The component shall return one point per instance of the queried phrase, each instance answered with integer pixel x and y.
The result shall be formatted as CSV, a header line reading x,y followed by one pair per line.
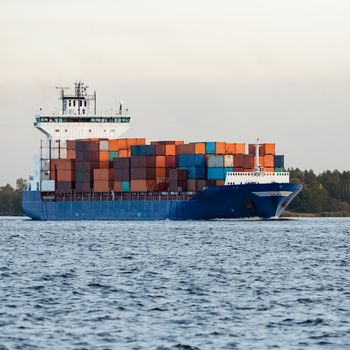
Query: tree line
x,y
328,192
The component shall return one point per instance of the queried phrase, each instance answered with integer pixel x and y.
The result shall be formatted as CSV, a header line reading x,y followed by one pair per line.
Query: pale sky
x,y
196,70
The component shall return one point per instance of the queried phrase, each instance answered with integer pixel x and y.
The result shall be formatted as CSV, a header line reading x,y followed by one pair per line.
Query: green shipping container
x,y
125,186
279,170
113,154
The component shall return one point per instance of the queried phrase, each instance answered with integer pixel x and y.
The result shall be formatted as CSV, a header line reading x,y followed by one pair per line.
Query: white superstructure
x,y
77,119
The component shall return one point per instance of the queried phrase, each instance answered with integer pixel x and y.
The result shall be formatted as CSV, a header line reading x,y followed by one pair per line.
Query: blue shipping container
x,y
190,160
218,173
210,147
196,172
125,186
143,150
279,161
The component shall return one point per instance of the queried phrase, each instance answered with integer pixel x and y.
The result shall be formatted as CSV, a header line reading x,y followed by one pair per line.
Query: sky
x,y
224,70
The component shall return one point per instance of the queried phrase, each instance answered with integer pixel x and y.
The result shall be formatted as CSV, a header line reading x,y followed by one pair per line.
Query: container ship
x,y
86,171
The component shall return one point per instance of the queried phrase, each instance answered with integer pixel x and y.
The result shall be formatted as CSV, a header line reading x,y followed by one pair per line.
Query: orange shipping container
x,y
160,161
103,185
143,185
62,164
64,176
267,161
269,170
104,164
104,155
170,150
235,148
117,186
220,148
160,172
103,174
269,148
123,153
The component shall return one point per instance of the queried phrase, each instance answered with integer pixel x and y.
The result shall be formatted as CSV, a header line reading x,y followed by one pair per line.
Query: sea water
x,y
175,285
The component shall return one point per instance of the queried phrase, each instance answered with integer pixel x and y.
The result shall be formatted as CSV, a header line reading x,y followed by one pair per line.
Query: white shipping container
x,y
47,185
228,161
104,145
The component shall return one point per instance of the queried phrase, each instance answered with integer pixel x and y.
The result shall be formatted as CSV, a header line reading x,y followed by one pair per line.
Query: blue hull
x,y
218,202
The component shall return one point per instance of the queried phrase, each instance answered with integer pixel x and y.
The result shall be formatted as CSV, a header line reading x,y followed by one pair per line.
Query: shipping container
x,y
267,161
71,154
210,147
160,161
104,145
83,187
218,173
220,148
71,145
235,148
121,163
112,155
145,150
143,185
192,148
65,176
190,160
215,161
143,173
65,187
228,161
103,185
178,174
170,161
121,174
103,174
196,172
143,161
125,186
279,161
279,170
170,150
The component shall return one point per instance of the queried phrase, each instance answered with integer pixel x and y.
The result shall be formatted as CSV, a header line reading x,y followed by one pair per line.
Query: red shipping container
x,y
71,145
170,161
192,148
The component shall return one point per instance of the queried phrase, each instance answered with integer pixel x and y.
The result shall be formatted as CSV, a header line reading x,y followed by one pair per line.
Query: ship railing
x,y
117,196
